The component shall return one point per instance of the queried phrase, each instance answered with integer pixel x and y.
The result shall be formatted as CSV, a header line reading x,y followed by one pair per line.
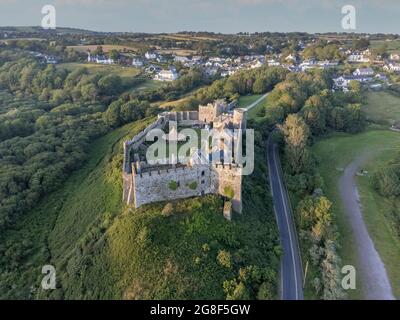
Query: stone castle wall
x,y
154,185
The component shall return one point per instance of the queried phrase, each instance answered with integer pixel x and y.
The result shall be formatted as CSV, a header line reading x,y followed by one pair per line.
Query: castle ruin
x,y
146,183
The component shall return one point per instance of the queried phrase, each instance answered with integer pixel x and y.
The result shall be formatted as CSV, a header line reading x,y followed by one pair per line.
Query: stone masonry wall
x,y
155,186
231,177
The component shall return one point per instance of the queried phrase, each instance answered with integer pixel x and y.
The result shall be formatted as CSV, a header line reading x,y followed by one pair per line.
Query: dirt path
x,y
374,279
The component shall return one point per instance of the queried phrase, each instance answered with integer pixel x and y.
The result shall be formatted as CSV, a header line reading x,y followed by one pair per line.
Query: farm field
x,y
382,107
121,71
393,46
334,154
106,47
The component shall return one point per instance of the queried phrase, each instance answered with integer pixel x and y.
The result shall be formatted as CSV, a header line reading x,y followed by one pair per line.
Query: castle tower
x,y
239,118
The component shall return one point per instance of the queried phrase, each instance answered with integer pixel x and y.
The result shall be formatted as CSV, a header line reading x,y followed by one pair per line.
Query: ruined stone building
x,y
146,183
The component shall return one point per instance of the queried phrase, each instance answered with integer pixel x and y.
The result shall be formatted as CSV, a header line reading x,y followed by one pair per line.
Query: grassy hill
x,y
382,107
336,152
103,249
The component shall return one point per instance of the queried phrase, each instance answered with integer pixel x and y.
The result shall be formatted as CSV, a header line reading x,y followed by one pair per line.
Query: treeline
x,y
49,118
322,51
254,81
308,109
57,85
386,181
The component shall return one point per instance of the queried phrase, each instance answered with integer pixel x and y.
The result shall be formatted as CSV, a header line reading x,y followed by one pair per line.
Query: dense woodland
x,y
305,110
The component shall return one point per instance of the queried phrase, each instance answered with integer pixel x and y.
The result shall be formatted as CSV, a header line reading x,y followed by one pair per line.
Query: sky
x,y
226,16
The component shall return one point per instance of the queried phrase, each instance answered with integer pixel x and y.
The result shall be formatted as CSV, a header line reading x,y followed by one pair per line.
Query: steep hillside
x,y
103,249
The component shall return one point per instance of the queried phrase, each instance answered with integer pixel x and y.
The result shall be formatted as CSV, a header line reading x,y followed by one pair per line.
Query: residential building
x,y
167,75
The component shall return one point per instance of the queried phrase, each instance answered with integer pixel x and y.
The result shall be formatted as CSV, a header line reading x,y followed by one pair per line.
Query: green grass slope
x,y
337,152
103,249
382,107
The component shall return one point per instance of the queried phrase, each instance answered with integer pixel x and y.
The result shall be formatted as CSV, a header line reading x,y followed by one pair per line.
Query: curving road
x,y
257,101
291,269
375,281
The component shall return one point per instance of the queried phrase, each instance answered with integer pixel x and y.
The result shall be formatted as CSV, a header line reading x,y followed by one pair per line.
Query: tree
x,y
112,115
224,259
110,84
356,120
355,86
314,114
114,54
387,181
296,133
315,216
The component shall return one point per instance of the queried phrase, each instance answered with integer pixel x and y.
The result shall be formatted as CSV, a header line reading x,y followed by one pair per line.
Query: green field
x,y
337,152
125,72
149,85
393,46
245,101
382,107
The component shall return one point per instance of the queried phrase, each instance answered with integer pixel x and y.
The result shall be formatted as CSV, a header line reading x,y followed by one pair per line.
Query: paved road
x,y
257,101
375,281
291,269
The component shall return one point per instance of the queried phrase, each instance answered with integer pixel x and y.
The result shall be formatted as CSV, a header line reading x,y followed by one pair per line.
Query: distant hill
x,y
40,30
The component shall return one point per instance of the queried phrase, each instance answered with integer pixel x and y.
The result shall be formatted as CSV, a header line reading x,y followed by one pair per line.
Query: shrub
x,y
167,210
173,185
192,185
224,259
228,191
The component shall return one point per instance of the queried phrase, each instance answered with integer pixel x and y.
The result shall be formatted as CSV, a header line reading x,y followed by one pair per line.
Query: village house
x,y
392,67
167,75
256,64
137,62
150,55
50,59
291,58
395,56
273,63
364,72
101,59
181,59
357,57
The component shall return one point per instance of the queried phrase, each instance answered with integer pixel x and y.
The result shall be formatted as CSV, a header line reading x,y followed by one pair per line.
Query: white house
x,y
291,58
357,57
150,55
364,72
181,59
101,59
395,56
394,67
136,62
50,59
166,75
256,64
273,63
341,82
328,64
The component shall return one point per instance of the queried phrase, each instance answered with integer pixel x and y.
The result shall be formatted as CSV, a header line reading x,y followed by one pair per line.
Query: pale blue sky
x,y
227,16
